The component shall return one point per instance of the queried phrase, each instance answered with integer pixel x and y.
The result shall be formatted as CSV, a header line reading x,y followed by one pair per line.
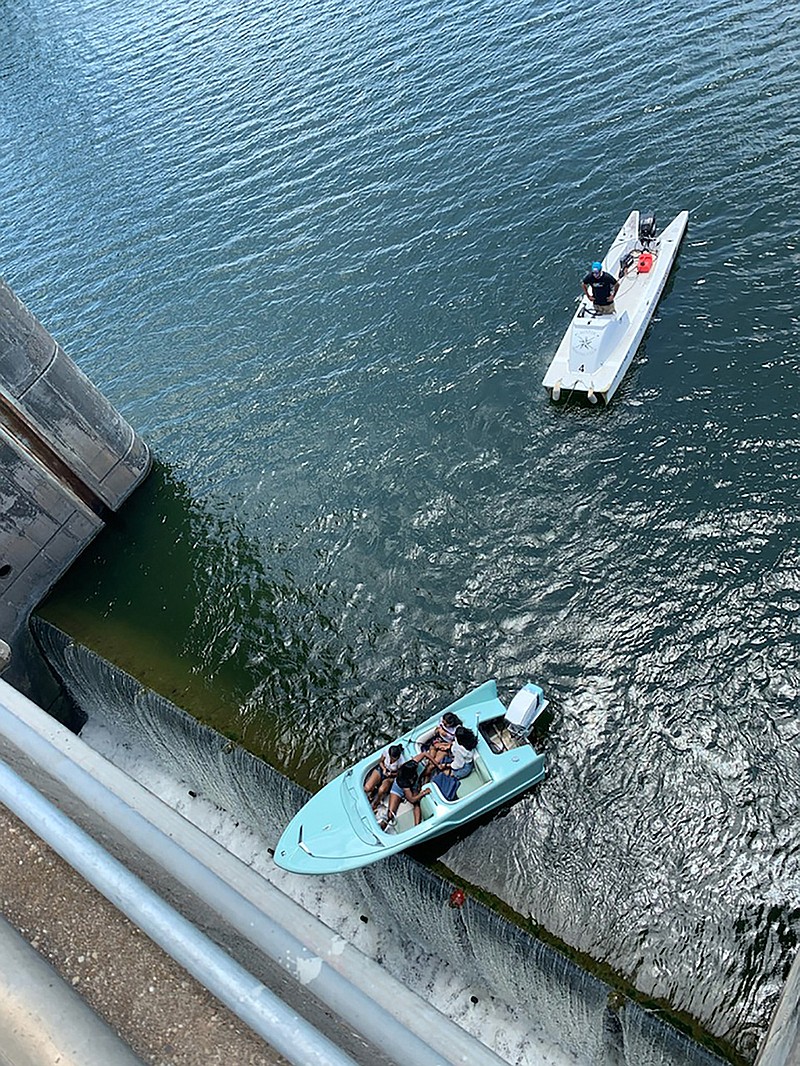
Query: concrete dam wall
x,y
67,461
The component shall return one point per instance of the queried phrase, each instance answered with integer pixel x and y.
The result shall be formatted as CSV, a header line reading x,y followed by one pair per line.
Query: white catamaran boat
x,y
598,348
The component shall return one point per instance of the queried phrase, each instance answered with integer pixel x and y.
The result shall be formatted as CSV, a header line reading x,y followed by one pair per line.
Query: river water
x,y
320,256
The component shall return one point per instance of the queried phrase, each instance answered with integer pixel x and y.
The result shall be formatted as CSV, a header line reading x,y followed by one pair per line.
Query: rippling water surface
x,y
320,255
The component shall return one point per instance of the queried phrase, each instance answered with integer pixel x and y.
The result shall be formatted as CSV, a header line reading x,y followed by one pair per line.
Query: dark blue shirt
x,y
602,287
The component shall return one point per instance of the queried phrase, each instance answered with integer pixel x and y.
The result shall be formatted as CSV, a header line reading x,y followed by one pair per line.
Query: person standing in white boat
x,y
601,288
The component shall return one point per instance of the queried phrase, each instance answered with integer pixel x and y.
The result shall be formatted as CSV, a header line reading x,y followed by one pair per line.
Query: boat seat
x,y
472,782
427,735
404,819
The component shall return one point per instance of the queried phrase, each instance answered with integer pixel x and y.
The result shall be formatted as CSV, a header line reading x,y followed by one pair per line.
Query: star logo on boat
x,y
585,342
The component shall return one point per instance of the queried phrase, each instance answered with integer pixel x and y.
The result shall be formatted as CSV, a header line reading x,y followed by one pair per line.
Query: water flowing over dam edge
x,y
589,1020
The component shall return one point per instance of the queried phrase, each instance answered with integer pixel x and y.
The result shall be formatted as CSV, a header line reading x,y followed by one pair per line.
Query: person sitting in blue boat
x,y
380,780
443,735
601,288
460,760
462,754
438,745
405,787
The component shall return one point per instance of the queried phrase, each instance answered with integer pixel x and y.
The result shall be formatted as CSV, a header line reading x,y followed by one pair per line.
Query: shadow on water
x,y
180,598
432,851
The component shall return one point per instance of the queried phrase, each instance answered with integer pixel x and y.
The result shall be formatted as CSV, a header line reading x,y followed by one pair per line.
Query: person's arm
x,y
415,797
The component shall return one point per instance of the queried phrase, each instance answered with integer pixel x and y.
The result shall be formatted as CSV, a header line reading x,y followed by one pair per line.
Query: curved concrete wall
x,y
59,404
67,460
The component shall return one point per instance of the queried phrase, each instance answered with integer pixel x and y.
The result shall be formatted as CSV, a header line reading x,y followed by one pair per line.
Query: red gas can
x,y
645,262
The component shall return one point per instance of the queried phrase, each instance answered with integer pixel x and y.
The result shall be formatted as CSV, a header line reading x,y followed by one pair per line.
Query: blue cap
x,y
597,266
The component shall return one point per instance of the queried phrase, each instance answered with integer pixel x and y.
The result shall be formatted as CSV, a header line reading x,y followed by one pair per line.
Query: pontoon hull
x,y
597,350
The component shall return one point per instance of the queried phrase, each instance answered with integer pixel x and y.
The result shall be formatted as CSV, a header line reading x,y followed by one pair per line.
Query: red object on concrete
x,y
457,898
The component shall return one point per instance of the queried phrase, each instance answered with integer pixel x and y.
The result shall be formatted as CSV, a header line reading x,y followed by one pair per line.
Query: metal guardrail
x,y
388,1015
242,993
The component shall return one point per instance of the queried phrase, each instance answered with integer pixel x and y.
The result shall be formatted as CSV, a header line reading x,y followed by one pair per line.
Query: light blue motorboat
x,y
338,830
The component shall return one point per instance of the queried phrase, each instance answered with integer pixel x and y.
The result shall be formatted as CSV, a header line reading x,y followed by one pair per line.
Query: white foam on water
x,y
515,1038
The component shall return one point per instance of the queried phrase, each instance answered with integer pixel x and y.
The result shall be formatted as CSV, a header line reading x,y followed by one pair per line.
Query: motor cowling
x,y
524,709
647,228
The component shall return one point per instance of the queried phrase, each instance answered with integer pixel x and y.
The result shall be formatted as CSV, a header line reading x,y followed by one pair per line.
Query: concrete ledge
x,y
359,991
43,1020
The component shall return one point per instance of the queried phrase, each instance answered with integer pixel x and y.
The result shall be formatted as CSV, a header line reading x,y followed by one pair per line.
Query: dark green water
x,y
320,257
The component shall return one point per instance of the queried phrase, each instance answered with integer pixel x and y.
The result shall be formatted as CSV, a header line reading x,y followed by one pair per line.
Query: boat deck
x,y
499,737
404,819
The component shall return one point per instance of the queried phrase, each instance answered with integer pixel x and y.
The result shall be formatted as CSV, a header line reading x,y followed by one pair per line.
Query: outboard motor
x,y
647,229
524,709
